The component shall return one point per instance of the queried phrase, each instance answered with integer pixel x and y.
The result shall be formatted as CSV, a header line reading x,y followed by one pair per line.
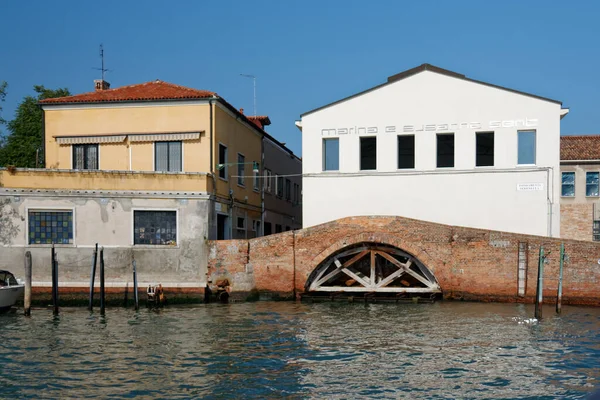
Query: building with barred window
x,y
148,171
435,145
580,187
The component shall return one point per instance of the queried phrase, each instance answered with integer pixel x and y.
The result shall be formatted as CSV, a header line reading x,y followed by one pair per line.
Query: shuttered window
x,y
85,156
167,156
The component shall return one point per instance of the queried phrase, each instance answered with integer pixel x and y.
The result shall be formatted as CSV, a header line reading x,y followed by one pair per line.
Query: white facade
x,y
506,196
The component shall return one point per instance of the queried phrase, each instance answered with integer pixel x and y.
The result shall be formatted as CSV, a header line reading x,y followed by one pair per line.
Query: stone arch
x,y
372,262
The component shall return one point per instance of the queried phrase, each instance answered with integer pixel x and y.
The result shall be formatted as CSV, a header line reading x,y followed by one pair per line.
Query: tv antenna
x,y
102,60
254,81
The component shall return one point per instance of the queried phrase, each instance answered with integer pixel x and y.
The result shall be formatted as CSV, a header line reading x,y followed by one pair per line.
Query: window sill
x,y
46,246
155,246
241,185
571,197
526,165
224,179
255,190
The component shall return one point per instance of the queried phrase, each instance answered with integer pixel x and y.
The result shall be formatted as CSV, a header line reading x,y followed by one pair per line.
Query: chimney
x,y
100,84
242,111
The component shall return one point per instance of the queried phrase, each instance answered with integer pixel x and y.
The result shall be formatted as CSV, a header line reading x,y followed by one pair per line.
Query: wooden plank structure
x,y
372,268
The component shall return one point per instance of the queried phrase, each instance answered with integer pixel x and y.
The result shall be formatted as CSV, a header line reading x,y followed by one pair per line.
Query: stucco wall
x,y
466,195
278,210
108,221
83,120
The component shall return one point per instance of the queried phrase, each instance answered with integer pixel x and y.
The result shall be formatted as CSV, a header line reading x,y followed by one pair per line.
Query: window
x,y
288,189
167,156
256,226
85,156
267,184
406,151
277,228
155,227
255,184
331,154
223,161
241,223
484,155
596,231
296,193
445,150
526,153
591,183
268,230
568,184
50,227
368,153
240,169
279,185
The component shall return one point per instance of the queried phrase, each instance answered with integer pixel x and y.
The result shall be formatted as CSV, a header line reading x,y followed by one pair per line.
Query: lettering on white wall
x,y
446,127
529,187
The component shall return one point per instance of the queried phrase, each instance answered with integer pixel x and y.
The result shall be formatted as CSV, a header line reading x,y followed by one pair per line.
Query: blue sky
x,y
304,53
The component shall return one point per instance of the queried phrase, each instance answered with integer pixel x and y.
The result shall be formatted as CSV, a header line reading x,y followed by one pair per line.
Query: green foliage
x,y
26,131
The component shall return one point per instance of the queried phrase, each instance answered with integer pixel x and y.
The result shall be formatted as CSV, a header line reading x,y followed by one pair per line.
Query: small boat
x,y
11,290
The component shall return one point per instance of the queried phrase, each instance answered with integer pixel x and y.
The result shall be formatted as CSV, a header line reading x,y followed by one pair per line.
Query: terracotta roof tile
x,y
153,90
260,120
581,147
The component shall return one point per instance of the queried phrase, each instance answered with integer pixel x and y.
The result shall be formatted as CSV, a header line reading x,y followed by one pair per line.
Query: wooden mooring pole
x,y
560,279
27,299
93,277
102,305
54,282
135,287
539,300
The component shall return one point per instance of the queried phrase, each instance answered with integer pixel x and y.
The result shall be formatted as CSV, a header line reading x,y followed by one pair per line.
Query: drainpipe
x,y
213,213
261,171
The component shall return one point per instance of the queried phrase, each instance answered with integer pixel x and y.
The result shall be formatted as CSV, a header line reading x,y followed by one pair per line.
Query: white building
x,y
434,145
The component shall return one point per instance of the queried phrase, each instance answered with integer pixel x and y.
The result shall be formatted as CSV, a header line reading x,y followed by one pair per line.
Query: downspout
x,y
549,200
261,181
294,264
43,136
213,221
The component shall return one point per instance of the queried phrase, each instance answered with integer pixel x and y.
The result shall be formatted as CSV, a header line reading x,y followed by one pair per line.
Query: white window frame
x,y
237,220
241,178
50,209
574,184
255,178
267,185
586,184
324,154
153,246
225,167
535,159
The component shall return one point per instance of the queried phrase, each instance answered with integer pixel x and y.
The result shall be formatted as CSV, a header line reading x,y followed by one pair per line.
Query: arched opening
x,y
372,268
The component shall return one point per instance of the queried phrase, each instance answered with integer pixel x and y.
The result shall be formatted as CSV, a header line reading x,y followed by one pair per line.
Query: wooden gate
x,y
371,267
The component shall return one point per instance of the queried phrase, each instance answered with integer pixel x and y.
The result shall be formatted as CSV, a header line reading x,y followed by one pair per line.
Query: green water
x,y
292,350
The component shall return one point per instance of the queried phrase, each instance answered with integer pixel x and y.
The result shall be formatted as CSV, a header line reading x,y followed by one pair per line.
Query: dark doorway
x,y
222,231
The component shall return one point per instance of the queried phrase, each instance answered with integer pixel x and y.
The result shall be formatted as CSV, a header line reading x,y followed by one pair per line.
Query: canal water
x,y
445,350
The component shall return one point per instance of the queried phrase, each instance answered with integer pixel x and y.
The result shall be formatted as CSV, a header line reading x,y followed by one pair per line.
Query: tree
x,y
25,137
3,86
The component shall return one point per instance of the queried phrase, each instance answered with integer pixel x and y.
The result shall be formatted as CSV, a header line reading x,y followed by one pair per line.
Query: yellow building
x,y
161,127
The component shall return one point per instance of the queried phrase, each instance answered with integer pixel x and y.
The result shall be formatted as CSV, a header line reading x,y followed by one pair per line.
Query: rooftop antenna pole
x,y
254,81
103,70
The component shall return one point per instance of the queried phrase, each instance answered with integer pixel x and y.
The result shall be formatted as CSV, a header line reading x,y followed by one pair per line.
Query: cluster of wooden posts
x,y
539,298
54,269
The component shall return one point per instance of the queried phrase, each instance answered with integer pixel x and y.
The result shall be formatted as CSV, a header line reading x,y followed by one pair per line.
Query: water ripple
x,y
290,350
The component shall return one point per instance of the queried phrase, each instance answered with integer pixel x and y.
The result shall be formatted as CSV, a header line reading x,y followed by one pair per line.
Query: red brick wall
x,y
468,263
576,221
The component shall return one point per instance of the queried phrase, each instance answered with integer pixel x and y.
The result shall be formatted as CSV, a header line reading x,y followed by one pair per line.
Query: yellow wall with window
x,y
115,119
239,137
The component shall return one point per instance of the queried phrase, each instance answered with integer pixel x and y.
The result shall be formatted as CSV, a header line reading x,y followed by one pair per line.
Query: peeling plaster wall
x,y
108,222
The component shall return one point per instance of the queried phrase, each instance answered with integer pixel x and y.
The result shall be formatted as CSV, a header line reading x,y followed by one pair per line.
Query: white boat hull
x,y
9,295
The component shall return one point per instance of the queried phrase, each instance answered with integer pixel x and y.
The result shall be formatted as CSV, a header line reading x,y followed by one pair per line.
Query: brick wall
x,y
470,264
576,221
